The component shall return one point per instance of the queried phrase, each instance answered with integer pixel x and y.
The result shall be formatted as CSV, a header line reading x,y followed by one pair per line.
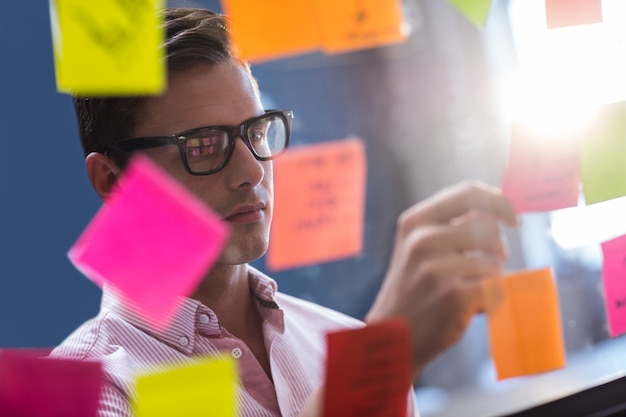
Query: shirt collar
x,y
191,317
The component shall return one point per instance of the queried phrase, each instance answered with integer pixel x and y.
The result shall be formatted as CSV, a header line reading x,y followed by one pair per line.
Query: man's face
x,y
242,192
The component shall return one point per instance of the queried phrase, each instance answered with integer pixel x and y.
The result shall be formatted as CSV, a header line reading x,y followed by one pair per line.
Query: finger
x,y
478,234
493,293
471,267
458,200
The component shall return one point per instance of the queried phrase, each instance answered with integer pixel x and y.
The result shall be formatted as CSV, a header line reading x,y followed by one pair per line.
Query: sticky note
x,y
272,29
346,25
368,371
319,204
152,240
203,388
476,11
108,47
35,386
614,280
525,333
541,175
562,13
603,157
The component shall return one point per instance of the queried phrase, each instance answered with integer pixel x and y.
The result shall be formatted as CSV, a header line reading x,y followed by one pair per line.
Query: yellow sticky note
x,y
205,388
603,157
349,25
525,334
476,11
108,47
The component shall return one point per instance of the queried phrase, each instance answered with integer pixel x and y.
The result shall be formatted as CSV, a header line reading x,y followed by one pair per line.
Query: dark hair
x,y
192,36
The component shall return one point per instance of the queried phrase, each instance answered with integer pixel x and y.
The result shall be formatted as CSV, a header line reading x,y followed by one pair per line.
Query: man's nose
x,y
243,169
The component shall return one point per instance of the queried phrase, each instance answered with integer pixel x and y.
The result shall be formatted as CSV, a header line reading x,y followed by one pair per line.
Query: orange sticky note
x,y
349,25
271,29
525,333
562,13
541,175
319,204
369,371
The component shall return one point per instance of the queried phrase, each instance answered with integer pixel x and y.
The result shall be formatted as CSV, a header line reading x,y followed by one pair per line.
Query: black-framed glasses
x,y
206,150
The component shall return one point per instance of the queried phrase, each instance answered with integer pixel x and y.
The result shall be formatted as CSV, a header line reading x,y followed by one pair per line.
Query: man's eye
x,y
258,135
202,146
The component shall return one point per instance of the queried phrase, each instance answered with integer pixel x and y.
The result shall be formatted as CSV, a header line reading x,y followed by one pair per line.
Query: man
x,y
444,246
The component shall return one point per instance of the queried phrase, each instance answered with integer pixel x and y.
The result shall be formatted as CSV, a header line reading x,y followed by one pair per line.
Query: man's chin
x,y
235,255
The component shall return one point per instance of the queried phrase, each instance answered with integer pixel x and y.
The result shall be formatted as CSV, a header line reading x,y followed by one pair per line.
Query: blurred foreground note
x,y
603,157
562,13
35,386
614,280
476,11
205,388
525,333
319,204
152,241
541,175
108,47
350,25
368,371
271,29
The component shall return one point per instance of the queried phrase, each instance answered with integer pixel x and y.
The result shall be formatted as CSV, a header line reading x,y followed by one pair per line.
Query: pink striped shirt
x,y
294,332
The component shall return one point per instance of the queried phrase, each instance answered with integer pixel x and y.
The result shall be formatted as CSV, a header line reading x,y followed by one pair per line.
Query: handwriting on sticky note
x,y
348,25
368,371
319,204
288,27
541,176
204,388
152,241
603,170
525,333
37,386
613,273
476,11
108,47
562,13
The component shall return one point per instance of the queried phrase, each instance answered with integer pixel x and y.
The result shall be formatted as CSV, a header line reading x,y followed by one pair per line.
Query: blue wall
x,y
44,194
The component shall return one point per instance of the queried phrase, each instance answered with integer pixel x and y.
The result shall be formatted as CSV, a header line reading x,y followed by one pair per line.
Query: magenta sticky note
x,y
34,386
541,174
152,241
614,280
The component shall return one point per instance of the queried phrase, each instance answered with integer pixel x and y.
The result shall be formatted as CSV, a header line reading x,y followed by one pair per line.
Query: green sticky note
x,y
603,157
204,388
108,47
476,11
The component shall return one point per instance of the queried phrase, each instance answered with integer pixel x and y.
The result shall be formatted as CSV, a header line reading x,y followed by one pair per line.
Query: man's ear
x,y
103,173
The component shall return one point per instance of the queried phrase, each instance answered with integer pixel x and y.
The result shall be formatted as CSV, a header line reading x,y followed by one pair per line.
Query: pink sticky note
x,y
152,241
369,371
614,279
562,13
32,386
541,175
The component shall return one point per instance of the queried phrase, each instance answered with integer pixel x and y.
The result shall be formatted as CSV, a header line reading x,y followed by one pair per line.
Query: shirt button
x,y
204,318
184,341
236,353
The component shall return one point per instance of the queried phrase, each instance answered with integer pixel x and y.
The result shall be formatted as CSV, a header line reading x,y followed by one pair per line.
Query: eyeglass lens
x,y
206,149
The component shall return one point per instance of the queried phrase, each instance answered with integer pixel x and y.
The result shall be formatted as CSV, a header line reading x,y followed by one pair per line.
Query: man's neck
x,y
226,291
